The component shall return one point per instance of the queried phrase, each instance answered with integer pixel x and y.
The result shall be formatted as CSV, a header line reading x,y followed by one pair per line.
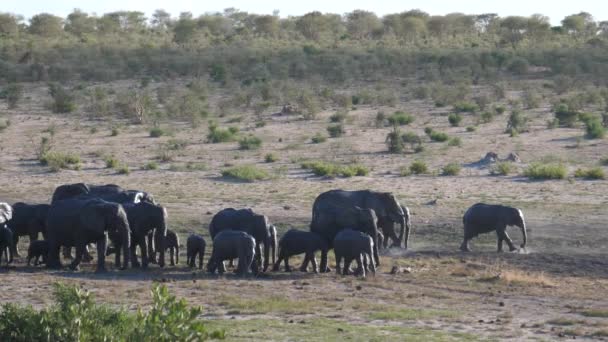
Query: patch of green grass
x,y
452,169
114,132
454,119
318,138
250,143
465,107
455,142
220,135
188,167
123,170
563,321
176,144
502,168
111,162
339,116
335,131
247,173
271,158
419,167
471,128
408,314
404,171
438,136
602,313
150,166
540,171
400,118
594,129
592,173
321,168
60,160
156,132
4,124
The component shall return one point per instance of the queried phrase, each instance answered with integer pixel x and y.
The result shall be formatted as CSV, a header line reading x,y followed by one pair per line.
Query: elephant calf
x,y
171,244
231,244
195,245
38,250
484,218
296,242
354,245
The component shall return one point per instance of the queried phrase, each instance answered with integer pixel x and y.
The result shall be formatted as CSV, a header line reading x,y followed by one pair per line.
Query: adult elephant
x,y
387,228
77,222
144,219
108,192
245,220
28,220
484,218
387,208
329,218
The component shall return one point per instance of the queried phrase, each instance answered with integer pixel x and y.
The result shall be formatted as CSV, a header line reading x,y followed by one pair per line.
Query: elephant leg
x,y
201,255
79,253
277,265
53,260
315,269
151,247
101,255
467,238
145,258
346,267
287,267
87,257
221,267
14,248
376,256
324,268
177,254
172,256
117,256
67,252
338,261
360,266
499,243
502,233
307,259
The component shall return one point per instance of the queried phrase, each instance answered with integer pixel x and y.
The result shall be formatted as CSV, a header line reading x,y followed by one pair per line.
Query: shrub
x,y
594,129
593,173
428,130
531,99
394,141
380,119
404,171
188,167
565,116
176,144
75,316
123,170
500,110
471,128
63,100
111,162
150,166
419,167
487,117
271,158
465,107
456,142
518,123
339,116
400,118
250,143
59,160
452,169
321,168
518,66
412,138
502,168
604,161
14,94
335,130
4,124
546,171
156,132
247,173
454,119
220,135
318,138
115,131
438,136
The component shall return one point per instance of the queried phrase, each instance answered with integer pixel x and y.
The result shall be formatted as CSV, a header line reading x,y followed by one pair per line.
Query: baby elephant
x,y
172,244
296,242
38,249
195,245
231,244
354,245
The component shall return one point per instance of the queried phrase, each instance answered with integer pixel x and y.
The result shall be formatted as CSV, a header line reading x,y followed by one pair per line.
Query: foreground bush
x,y
247,173
320,168
594,129
76,317
220,135
593,173
546,171
250,143
452,169
59,160
419,167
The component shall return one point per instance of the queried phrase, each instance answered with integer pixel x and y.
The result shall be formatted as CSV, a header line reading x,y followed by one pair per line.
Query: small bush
x,y
188,167
339,116
471,128
518,123
486,117
335,130
604,161
455,142
156,132
150,166
465,107
394,141
566,117
271,158
545,171
123,170
176,144
220,135
380,119
321,168
438,136
502,168
4,124
452,169
318,138
428,130
419,167
594,129
500,110
454,119
250,143
111,162
247,173
63,100
413,139
400,118
593,173
115,131
59,160
404,171
14,94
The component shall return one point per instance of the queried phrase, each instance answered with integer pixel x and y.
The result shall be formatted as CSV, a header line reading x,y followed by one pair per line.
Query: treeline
x,y
245,47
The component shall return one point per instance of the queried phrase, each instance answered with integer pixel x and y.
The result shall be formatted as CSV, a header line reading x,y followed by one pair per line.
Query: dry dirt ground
x,y
555,289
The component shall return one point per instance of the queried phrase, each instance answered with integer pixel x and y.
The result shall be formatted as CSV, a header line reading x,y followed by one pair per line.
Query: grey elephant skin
x,y
484,218
245,220
387,228
171,244
386,206
108,192
295,242
28,220
6,235
38,250
147,219
232,244
195,247
353,245
274,241
329,218
78,222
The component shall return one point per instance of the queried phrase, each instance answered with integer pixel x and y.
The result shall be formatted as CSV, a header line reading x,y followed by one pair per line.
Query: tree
x,y
161,20
184,29
485,22
266,25
580,25
46,25
216,24
9,25
538,27
513,29
362,24
312,25
80,23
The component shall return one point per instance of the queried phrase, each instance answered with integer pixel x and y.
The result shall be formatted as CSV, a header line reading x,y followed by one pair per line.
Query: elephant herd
x,y
355,224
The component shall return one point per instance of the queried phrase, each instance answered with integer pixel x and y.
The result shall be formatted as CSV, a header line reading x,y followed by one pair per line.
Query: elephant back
x,y
232,219
66,191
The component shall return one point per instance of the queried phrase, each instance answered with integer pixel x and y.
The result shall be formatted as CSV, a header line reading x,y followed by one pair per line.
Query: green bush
x,y
156,132
59,160
123,170
594,129
419,167
63,100
471,128
318,138
604,161
452,169
75,316
339,116
546,171
500,110
380,119
465,107
394,141
438,136
404,171
565,116
518,123
413,139
502,168
14,94
250,143
220,135
150,166
592,173
456,142
248,173
111,162
4,124
188,167
271,158
115,131
176,144
454,119
400,118
320,168
335,130
486,117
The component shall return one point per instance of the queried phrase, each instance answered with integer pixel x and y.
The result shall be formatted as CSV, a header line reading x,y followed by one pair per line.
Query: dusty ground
x,y
556,288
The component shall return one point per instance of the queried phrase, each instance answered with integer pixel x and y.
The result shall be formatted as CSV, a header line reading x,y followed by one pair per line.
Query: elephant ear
x,y
6,212
94,216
